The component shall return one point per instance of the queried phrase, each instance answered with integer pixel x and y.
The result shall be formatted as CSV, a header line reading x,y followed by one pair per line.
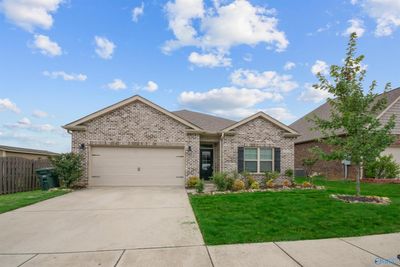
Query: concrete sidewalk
x,y
157,227
376,250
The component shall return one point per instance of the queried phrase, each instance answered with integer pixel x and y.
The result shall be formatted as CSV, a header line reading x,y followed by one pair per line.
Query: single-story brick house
x,y
336,169
138,143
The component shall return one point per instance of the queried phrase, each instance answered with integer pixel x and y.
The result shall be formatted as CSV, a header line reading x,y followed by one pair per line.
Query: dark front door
x,y
206,163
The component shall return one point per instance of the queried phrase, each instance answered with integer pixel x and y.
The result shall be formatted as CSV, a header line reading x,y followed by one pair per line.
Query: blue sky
x,y
61,60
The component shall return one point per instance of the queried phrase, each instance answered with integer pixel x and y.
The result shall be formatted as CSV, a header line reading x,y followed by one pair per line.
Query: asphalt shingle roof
x,y
303,126
26,150
206,122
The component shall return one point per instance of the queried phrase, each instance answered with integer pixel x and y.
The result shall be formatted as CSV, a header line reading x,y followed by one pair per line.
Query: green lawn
x,y
18,200
295,215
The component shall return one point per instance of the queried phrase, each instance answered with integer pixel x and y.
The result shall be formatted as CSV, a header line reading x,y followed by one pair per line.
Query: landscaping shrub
x,y
272,175
192,181
383,167
270,183
289,173
68,167
220,181
238,185
199,186
286,183
255,185
229,182
306,184
249,181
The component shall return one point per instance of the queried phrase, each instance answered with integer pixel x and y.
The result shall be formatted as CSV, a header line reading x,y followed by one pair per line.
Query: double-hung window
x,y
258,159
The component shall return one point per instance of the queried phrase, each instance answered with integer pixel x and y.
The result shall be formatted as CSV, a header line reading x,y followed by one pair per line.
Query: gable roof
x,y
303,126
75,125
26,150
266,117
207,122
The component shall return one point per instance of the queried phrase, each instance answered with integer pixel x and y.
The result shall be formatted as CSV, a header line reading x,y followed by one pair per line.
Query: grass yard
x,y
18,200
295,215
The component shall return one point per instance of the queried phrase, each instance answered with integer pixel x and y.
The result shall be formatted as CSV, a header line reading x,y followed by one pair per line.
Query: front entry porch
x,y
208,160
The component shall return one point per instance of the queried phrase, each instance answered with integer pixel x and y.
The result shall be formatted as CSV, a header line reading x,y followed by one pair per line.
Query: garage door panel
x,y
113,166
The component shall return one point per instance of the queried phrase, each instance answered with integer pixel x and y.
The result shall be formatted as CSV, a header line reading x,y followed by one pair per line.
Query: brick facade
x,y
136,124
331,169
257,133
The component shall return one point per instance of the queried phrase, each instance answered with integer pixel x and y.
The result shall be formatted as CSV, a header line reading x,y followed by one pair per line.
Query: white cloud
x,y
46,46
39,114
311,94
65,76
221,27
151,86
385,12
24,121
29,14
269,80
357,26
280,113
227,101
320,67
289,65
7,104
137,12
248,57
104,47
116,84
209,60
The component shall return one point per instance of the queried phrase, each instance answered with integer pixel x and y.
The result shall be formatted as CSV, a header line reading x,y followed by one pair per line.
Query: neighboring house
x,y
138,143
9,151
336,169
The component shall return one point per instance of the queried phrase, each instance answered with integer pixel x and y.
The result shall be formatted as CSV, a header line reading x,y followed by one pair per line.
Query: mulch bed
x,y
381,181
275,189
362,199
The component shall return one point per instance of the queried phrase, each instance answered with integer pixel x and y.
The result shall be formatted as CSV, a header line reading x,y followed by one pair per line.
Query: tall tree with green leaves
x,y
353,130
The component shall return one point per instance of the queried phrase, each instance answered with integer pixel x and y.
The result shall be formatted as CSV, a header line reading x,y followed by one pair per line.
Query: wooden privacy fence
x,y
18,174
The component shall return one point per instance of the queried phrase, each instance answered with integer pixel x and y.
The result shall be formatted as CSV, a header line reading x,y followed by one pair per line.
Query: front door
x,y
206,162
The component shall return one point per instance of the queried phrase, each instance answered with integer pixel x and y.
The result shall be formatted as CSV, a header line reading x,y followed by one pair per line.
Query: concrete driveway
x,y
156,227
104,226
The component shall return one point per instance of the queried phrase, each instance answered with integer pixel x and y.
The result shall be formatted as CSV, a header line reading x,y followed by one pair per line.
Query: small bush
x,y
270,183
192,181
289,173
383,167
199,186
271,175
286,183
220,181
68,168
306,184
249,181
255,185
238,185
229,182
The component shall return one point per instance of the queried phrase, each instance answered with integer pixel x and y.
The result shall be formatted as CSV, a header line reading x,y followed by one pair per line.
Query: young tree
x,y
353,129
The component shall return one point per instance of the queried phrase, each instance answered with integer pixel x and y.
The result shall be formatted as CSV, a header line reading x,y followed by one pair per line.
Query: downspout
x,y
221,167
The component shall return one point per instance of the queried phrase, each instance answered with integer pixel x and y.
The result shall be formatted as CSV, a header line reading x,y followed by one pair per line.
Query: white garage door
x,y
395,151
123,166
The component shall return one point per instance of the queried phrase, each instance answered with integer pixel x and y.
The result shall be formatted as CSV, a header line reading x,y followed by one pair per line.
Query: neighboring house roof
x,y
75,125
207,122
266,117
303,126
25,150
